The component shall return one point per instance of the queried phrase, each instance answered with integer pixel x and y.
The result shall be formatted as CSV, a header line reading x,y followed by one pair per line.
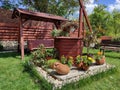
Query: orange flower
x,y
99,53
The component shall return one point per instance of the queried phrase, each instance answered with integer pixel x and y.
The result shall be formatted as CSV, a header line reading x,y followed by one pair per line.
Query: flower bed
x,y
75,75
63,71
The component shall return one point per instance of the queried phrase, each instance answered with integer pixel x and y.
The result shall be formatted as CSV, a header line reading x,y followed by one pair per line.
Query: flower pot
x,y
101,61
85,67
79,65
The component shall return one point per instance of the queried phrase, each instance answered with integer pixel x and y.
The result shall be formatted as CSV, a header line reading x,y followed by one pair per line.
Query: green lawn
x,y
108,82
14,77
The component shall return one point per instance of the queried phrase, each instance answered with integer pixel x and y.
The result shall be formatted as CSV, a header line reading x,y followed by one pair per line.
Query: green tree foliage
x,y
114,24
99,19
8,4
57,7
104,22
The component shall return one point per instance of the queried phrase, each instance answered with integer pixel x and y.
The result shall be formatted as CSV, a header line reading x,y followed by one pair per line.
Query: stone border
x,y
11,45
58,81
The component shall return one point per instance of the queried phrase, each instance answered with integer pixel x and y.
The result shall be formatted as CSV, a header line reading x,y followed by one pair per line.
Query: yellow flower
x,y
70,57
99,53
91,59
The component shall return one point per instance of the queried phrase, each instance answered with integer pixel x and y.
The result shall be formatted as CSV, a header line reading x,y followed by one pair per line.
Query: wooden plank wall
x,y
10,31
40,30
9,28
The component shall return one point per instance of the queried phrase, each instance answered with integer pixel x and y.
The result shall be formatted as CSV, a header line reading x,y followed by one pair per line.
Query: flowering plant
x,y
99,56
63,59
78,59
87,60
91,59
70,61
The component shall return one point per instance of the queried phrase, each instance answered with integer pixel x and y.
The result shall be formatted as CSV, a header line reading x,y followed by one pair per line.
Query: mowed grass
x,y
13,76
109,81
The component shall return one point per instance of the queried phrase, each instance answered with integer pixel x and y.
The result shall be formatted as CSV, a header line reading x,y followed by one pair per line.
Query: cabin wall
x,y
9,29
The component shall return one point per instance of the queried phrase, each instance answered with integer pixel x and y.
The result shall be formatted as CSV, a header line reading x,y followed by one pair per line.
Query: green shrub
x,y
56,33
116,39
63,59
50,53
39,56
51,62
1,47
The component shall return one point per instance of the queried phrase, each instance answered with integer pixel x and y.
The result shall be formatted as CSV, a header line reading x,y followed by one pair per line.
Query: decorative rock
x,y
11,45
61,68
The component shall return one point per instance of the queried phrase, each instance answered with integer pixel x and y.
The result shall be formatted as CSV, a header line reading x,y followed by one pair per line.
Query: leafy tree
x,y
8,4
57,7
99,19
114,24
104,22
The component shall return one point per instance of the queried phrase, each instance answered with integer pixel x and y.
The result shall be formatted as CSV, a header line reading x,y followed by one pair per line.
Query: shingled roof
x,y
27,14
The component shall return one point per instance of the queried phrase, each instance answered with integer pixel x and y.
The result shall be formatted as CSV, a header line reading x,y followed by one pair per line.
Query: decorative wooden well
x,y
73,46
68,46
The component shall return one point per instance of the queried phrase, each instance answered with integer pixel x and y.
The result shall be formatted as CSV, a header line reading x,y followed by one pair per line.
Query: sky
x,y
111,5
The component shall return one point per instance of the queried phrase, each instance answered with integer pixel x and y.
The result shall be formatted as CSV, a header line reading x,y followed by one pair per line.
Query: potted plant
x,y
90,40
56,33
49,54
70,61
86,62
100,58
65,30
91,59
63,59
78,62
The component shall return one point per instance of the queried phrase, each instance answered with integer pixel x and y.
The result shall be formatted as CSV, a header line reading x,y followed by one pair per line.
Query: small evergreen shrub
x,y
1,47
